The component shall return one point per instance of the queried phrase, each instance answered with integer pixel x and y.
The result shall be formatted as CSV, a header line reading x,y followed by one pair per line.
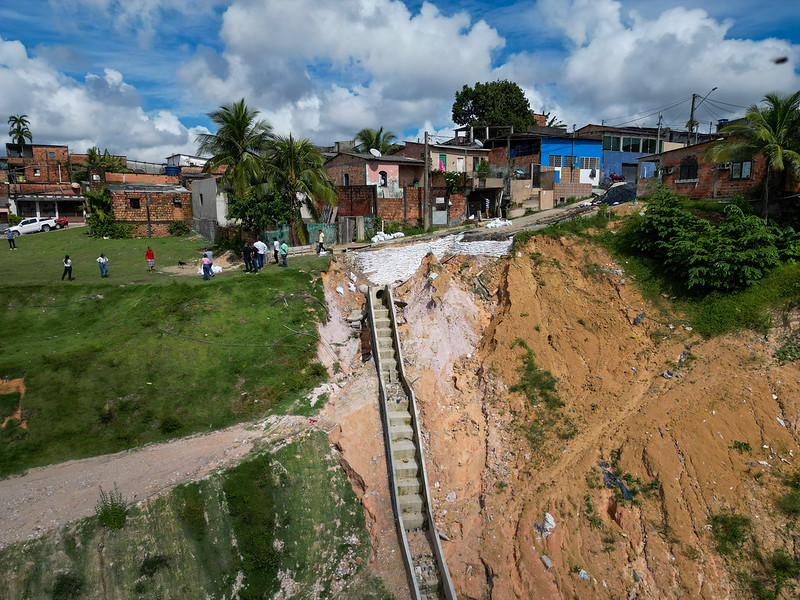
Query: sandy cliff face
x,y
498,463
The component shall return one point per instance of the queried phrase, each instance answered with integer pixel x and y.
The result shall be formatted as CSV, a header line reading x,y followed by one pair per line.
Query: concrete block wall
x,y
564,190
355,200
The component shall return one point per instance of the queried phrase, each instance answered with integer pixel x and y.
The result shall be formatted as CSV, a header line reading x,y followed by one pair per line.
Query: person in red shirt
x,y
151,259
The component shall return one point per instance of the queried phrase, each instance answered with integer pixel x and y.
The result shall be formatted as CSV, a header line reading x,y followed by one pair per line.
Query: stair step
x,y
409,486
399,420
404,449
410,503
415,521
406,470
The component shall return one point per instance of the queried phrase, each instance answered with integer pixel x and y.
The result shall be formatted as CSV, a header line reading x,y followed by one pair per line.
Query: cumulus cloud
x,y
618,64
338,67
102,111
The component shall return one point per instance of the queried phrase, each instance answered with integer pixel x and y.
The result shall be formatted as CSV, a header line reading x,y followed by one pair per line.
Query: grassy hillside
x,y
287,518
140,357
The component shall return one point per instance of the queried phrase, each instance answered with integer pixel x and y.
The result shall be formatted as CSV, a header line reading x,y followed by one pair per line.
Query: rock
x,y
451,497
548,564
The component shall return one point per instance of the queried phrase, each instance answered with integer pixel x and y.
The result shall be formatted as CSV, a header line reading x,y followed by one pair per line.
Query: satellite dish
x,y
478,143
376,153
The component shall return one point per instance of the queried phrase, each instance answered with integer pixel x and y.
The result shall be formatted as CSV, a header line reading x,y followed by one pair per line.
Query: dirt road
x,y
47,497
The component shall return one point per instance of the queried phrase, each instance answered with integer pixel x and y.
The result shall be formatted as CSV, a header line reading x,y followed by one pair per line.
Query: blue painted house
x,y
583,154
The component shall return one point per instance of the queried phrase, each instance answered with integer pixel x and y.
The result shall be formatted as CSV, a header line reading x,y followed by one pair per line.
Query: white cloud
x,y
102,111
617,68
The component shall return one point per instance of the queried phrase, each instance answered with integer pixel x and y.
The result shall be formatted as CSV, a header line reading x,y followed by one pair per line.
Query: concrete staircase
x,y
409,487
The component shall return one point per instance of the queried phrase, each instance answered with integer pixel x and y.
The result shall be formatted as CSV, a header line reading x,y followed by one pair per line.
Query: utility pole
x,y
658,136
691,121
426,180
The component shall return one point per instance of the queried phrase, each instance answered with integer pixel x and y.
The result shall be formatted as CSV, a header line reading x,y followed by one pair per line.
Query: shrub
x,y
110,509
729,531
67,586
170,424
152,564
14,219
179,228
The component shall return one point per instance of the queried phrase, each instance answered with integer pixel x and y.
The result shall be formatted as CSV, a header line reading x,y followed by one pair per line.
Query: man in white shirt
x,y
276,248
261,249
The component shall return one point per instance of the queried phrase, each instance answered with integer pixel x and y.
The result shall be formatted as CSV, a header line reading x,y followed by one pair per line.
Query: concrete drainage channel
x,y
426,567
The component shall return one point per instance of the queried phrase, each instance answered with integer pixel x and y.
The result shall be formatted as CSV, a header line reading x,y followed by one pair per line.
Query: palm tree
x,y
19,130
774,132
239,144
95,158
294,171
383,141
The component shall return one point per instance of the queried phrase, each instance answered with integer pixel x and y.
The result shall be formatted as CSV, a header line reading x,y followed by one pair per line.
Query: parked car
x,y
62,222
34,225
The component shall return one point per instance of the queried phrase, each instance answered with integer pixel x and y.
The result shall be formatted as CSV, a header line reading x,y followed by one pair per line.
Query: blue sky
x,y
140,76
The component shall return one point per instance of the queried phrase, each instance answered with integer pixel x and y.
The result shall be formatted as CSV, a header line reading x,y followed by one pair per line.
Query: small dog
x,y
181,263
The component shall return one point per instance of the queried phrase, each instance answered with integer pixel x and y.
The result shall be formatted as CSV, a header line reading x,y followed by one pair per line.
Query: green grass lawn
x,y
141,357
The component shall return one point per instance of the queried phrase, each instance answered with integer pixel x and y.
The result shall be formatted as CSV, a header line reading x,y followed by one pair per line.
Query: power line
x,y
637,116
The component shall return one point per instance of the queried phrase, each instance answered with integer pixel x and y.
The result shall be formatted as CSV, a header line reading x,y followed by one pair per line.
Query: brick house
x,y
35,182
690,174
148,202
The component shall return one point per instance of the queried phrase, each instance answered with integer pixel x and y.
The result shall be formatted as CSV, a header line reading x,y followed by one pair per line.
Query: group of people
x,y
254,254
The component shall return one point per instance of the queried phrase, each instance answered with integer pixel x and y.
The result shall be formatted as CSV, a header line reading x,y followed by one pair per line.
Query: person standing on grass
x,y
261,250
207,253
247,255
151,259
321,241
284,253
12,244
67,268
276,247
102,260
206,267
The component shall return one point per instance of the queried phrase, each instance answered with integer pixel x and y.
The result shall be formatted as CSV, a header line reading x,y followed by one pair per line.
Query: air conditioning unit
x,y
669,170
723,166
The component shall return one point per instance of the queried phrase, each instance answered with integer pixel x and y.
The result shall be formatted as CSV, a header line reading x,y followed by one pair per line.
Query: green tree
x,y
19,129
553,121
95,158
294,172
383,141
238,145
259,210
773,130
493,103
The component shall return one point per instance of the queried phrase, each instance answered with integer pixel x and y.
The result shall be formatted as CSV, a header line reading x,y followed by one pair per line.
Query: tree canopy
x,y
383,141
773,130
238,145
19,129
499,102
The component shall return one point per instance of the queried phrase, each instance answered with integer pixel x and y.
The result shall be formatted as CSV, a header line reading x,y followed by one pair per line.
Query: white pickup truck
x,y
34,225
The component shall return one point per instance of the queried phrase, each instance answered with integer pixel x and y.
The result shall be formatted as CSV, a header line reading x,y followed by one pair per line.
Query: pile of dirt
x,y
227,260
693,427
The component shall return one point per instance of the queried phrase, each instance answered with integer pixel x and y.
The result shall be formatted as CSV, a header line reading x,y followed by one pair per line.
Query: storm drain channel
x,y
427,570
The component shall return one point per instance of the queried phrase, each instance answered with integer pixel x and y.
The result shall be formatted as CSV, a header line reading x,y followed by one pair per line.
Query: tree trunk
x,y
765,194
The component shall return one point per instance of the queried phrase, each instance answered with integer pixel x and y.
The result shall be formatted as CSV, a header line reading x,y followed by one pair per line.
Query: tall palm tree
x,y
19,129
774,132
383,141
294,171
238,145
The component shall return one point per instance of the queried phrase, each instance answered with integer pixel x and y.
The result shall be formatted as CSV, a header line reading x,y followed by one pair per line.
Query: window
x,y
37,172
569,162
177,201
383,178
460,164
611,142
134,202
347,179
476,161
590,162
688,168
741,170
201,199
555,160
52,155
649,146
631,144
443,162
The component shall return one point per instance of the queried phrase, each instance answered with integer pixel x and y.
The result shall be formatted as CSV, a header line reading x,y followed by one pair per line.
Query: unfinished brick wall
x,y
51,169
161,206
343,164
355,200
408,208
141,178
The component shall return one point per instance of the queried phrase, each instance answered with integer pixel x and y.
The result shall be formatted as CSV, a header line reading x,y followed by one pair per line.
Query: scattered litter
x,y
340,290
351,287
583,574
353,277
548,564
639,318
667,374
764,463
781,421
433,276
214,269
549,524
451,497
610,481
